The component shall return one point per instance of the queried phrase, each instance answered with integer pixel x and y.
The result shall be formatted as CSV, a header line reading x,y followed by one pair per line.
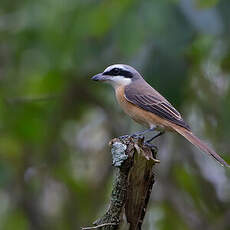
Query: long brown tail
x,y
200,144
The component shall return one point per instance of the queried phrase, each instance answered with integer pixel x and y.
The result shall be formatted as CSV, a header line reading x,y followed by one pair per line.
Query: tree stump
x,y
134,160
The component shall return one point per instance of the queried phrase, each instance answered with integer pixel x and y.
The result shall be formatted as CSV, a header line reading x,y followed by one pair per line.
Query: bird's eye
x,y
116,71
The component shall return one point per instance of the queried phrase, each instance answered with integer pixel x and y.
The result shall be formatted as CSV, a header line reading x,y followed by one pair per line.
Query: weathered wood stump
x,y
134,160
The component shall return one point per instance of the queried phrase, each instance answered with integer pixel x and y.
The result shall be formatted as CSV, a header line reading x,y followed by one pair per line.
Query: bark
x,y
134,161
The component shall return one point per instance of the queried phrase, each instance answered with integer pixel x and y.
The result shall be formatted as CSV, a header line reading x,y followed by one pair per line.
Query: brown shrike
x,y
148,107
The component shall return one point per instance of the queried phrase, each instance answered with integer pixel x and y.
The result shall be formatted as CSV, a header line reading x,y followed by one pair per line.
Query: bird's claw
x,y
133,136
137,136
125,136
154,147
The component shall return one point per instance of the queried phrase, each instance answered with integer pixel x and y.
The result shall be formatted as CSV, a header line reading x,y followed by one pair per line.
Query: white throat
x,y
118,81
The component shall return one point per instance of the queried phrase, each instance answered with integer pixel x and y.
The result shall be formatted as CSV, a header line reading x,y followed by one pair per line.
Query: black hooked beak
x,y
98,77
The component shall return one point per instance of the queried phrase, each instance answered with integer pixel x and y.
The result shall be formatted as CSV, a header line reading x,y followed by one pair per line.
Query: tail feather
x,y
200,144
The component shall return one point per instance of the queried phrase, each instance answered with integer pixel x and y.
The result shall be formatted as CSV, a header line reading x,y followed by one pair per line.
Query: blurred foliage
x,y
55,168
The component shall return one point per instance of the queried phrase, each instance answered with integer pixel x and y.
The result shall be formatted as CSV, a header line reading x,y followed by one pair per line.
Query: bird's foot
x,y
136,136
151,146
154,137
141,133
123,137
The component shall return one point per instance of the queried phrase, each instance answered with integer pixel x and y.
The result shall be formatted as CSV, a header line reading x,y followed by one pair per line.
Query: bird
x,y
148,107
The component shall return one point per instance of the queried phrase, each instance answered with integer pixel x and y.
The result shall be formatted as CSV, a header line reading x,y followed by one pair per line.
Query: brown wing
x,y
150,100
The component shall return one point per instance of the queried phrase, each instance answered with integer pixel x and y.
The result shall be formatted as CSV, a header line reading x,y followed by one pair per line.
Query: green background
x,y
55,123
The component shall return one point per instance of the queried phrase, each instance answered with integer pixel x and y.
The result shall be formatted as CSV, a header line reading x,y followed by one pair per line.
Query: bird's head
x,y
118,75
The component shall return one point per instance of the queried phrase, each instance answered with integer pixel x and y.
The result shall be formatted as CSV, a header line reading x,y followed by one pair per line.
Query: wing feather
x,y
156,104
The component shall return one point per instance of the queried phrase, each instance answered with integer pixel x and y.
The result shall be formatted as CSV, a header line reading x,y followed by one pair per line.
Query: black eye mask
x,y
119,72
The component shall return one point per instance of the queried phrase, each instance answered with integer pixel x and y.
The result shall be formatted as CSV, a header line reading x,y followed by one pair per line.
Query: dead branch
x,y
134,161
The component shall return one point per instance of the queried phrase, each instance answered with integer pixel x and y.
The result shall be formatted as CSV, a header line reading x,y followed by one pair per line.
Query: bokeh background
x,y
55,123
